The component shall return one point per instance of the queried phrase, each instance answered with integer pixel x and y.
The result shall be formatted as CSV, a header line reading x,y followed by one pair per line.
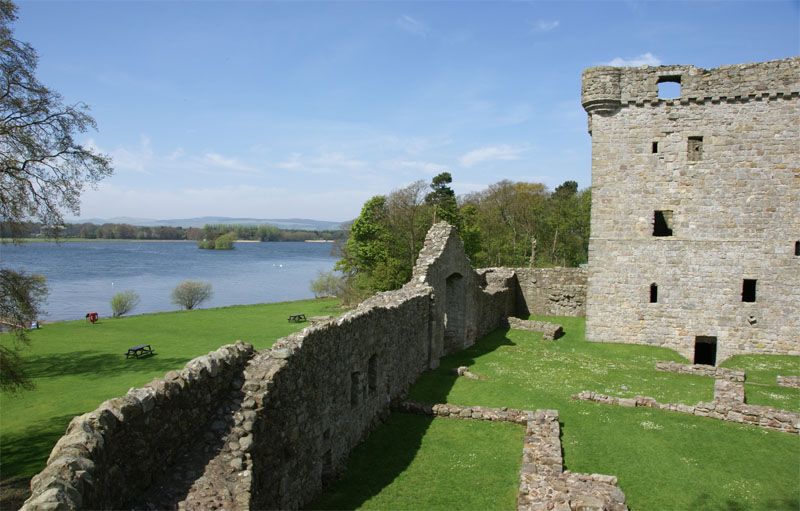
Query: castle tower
x,y
695,227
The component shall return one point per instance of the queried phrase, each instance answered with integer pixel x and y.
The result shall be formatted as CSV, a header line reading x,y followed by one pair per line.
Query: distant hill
x,y
281,223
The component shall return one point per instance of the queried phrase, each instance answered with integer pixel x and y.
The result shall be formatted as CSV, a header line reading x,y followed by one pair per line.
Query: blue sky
x,y
307,109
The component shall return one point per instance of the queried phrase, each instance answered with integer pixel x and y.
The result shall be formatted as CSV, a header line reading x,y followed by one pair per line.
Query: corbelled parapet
x,y
605,89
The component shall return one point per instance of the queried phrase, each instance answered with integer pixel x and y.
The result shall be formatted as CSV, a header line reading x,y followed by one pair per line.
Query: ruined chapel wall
x,y
733,208
552,291
317,394
109,457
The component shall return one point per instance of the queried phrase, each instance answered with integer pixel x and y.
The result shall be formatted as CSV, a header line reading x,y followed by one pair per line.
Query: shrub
x,y
191,293
327,283
124,302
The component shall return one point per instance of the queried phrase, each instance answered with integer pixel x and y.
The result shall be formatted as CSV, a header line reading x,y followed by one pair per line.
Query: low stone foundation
x,y
550,331
544,485
789,381
754,415
701,370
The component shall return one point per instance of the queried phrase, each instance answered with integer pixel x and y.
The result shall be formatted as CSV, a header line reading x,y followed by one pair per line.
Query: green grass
x,y
76,365
428,463
761,387
663,460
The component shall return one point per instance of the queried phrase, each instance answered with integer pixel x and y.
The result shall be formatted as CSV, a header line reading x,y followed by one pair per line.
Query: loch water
x,y
83,276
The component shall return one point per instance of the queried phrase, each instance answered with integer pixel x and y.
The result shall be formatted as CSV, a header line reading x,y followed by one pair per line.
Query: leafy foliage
x,y
42,168
191,293
124,302
497,225
327,284
21,297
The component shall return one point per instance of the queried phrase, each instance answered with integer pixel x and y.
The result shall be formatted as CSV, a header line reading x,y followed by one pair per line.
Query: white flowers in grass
x,y
650,425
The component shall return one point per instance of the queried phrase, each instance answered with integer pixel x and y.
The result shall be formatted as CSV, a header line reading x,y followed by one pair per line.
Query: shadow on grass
x,y
25,454
390,449
96,363
705,501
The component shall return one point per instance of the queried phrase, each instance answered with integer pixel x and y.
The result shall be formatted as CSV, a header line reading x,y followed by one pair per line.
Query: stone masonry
x,y
552,291
695,231
242,430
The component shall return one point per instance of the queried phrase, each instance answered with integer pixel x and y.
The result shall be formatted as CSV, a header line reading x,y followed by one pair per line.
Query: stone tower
x,y
695,228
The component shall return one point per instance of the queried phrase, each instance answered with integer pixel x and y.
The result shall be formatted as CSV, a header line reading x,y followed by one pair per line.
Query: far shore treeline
x,y
111,231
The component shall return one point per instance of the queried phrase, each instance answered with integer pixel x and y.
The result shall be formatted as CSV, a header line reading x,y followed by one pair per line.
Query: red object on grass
x,y
91,317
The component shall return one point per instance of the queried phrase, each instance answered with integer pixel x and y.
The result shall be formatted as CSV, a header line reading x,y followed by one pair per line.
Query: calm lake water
x,y
83,277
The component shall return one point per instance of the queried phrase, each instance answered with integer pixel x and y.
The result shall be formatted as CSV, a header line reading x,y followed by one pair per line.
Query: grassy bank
x,y
664,460
76,365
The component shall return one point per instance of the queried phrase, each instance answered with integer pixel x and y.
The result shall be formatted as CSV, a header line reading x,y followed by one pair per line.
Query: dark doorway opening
x,y
705,350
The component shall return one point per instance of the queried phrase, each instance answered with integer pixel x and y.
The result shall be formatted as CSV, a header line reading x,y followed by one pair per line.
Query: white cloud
x,y
412,26
502,152
541,26
426,167
645,59
216,161
137,159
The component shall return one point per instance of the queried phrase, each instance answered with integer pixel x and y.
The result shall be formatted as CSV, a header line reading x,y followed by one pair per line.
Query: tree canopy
x,y
43,168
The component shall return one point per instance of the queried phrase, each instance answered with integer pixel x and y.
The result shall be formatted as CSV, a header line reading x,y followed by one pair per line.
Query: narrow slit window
x,y
695,148
653,293
749,290
654,147
669,87
797,248
662,223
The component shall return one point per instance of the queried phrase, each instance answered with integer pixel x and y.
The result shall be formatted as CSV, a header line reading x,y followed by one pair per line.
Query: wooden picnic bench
x,y
138,351
297,318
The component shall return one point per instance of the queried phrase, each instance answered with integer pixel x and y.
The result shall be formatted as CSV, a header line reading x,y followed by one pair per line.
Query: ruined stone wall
x,y
284,424
552,291
111,456
722,162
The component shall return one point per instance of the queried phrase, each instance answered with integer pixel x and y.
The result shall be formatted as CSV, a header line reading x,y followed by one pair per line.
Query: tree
x,y
443,199
124,302
43,169
42,173
21,297
191,293
327,283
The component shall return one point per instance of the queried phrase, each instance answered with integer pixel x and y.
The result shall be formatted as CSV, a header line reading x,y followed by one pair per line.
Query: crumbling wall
x,y
552,291
300,407
109,457
690,197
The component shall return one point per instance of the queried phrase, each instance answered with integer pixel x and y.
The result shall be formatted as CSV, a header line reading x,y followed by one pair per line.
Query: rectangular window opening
x,y
705,350
695,148
373,372
797,248
749,290
653,293
662,223
654,147
669,87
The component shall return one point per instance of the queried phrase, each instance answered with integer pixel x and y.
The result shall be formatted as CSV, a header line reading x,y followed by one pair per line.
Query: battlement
x,y
606,89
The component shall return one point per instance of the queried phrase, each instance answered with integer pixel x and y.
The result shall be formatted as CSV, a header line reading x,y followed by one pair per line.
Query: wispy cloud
x,y
217,161
645,59
412,26
541,26
323,162
502,152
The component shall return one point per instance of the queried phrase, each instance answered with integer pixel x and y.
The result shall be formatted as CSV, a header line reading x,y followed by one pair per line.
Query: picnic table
x,y
138,351
297,318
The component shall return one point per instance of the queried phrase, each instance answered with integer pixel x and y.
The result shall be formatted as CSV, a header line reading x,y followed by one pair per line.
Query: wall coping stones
x,y
76,471
544,485
550,331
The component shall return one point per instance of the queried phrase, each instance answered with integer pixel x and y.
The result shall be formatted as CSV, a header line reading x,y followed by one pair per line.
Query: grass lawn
x,y
664,460
761,386
76,365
